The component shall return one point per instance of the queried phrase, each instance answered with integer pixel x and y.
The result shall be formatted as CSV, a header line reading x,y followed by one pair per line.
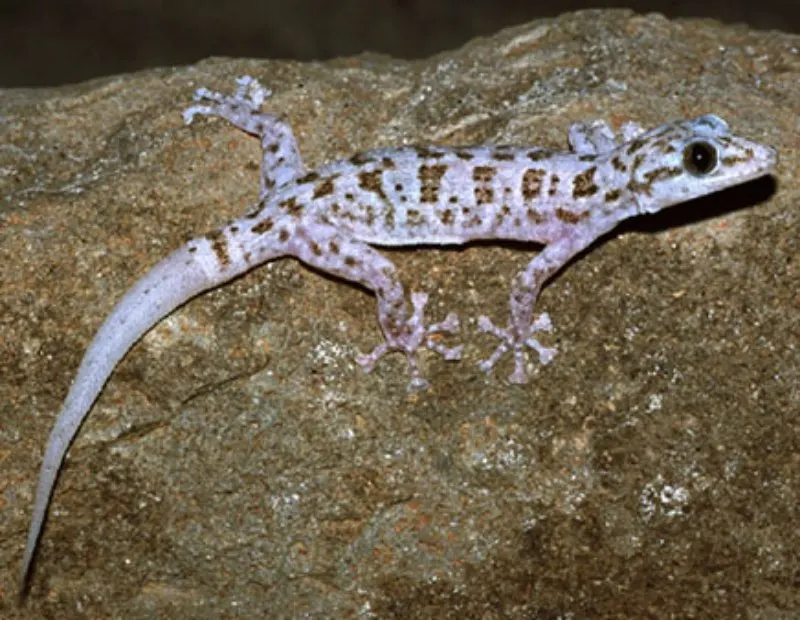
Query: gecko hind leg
x,y
417,335
329,249
281,161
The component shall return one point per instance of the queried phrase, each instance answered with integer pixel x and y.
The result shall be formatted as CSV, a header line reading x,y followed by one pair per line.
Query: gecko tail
x,y
172,282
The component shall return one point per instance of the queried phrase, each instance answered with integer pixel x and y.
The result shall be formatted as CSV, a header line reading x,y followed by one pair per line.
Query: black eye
x,y
699,158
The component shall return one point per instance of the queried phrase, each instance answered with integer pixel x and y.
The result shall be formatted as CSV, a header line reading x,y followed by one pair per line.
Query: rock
x,y
238,463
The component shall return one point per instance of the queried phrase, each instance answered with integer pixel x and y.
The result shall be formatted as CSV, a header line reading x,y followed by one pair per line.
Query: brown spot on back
x,y
283,235
292,206
587,157
257,211
535,216
324,188
360,159
612,195
333,247
219,244
308,178
554,181
502,155
484,195
372,182
501,215
263,226
447,217
430,181
465,155
388,217
618,164
388,163
426,152
369,214
538,154
532,183
414,217
583,184
483,176
569,217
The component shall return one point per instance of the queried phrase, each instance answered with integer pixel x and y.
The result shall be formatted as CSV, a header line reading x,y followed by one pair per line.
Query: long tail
x,y
169,284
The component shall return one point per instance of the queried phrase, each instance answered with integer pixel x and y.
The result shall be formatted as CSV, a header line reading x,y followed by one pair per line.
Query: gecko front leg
x,y
525,288
596,137
591,138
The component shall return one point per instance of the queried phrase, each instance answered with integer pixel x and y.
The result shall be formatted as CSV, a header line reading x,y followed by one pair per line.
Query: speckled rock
x,y
240,464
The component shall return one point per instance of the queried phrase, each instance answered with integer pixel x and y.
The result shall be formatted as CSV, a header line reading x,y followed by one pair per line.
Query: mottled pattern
x,y
332,219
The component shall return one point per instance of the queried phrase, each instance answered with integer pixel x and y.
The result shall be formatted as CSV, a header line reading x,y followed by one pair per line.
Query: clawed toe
x,y
414,336
251,90
250,95
510,341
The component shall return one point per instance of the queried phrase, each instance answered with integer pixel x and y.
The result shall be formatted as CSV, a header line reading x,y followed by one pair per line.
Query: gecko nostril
x,y
699,158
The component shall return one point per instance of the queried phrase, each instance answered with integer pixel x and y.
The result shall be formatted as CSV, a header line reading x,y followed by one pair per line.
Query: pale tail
x,y
169,284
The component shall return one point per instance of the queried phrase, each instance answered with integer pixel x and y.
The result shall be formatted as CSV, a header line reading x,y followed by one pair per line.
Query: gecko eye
x,y
699,158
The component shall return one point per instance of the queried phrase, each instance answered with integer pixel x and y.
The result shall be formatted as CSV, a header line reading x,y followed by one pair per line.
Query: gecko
x,y
336,218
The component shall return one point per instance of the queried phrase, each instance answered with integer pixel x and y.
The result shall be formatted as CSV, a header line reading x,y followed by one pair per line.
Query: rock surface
x,y
239,464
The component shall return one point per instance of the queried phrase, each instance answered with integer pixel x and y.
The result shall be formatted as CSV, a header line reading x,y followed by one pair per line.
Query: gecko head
x,y
688,159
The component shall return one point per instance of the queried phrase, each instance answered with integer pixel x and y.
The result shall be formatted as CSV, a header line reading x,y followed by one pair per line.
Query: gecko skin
x,y
333,218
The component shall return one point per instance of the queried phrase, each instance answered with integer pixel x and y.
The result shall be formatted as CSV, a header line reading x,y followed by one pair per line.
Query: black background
x,y
51,42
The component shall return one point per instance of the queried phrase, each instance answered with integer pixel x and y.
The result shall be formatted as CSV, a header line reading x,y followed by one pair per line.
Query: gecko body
x,y
334,217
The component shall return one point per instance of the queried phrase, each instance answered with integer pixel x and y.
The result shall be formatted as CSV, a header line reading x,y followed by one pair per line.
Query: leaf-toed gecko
x,y
332,219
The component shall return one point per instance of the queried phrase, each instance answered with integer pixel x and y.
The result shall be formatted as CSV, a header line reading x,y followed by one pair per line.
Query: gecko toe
x,y
510,340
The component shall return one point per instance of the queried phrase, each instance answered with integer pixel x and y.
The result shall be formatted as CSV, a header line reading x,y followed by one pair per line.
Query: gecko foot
x,y
412,337
245,102
510,341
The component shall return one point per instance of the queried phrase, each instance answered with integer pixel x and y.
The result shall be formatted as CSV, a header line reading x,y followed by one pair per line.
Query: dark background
x,y
51,42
